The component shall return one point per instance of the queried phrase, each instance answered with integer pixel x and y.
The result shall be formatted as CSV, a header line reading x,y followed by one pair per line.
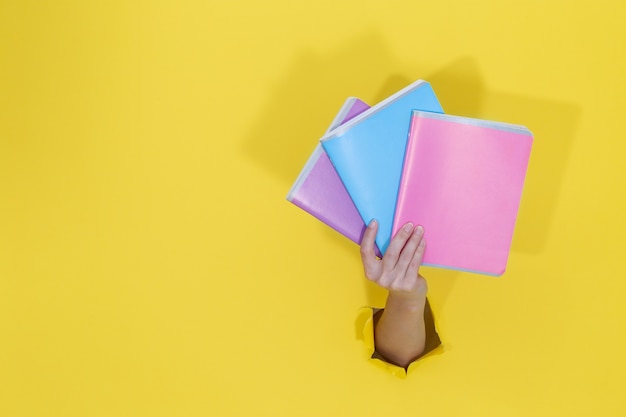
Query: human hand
x,y
398,270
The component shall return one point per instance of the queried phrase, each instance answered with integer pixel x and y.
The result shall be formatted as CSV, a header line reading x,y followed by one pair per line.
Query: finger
x,y
416,262
395,247
408,252
368,255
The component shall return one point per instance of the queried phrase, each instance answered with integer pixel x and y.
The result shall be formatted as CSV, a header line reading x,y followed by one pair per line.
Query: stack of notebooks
x,y
404,160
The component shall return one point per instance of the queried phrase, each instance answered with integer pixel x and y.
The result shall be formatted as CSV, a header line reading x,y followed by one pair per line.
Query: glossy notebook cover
x,y
319,191
462,180
368,152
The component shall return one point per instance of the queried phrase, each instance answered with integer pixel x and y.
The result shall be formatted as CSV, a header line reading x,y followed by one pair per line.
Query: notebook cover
x,y
368,152
319,191
462,180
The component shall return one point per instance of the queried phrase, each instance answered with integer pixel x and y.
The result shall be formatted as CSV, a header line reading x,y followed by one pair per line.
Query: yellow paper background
x,y
150,265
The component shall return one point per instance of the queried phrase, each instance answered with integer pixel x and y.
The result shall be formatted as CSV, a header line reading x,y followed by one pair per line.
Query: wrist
x,y
414,300
418,290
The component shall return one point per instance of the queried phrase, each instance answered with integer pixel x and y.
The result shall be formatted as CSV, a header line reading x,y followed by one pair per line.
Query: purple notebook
x,y
319,191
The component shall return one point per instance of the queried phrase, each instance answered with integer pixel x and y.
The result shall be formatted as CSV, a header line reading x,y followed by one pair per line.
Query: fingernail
x,y
372,223
408,227
419,230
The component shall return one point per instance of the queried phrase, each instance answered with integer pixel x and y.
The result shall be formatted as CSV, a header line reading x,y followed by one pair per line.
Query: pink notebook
x,y
462,180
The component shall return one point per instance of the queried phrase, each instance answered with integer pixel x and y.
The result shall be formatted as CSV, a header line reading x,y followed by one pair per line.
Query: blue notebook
x,y
368,152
